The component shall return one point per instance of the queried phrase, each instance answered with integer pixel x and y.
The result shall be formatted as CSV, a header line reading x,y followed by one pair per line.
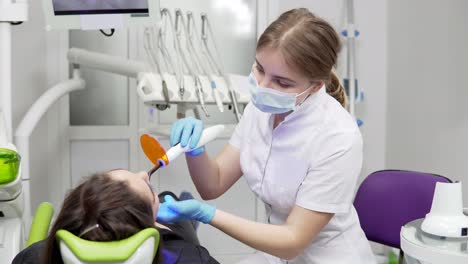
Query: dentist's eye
x,y
283,84
259,69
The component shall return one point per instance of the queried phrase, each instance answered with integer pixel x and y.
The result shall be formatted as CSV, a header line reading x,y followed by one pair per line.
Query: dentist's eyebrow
x,y
276,76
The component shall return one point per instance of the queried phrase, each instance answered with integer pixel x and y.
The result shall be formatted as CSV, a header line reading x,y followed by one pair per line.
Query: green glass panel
x,y
9,165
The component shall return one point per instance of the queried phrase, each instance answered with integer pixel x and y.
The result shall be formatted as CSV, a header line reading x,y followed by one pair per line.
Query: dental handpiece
x,y
208,135
200,96
206,26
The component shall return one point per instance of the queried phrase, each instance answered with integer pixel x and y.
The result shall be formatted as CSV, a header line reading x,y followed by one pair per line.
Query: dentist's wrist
x,y
196,152
208,213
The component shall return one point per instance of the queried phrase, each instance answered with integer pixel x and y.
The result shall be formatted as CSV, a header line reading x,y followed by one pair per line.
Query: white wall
x,y
371,48
427,109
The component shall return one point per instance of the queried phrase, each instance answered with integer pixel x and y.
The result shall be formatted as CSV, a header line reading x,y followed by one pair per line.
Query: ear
x,y
317,87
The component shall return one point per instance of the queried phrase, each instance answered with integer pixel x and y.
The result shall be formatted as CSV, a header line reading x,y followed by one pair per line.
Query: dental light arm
x,y
106,62
29,122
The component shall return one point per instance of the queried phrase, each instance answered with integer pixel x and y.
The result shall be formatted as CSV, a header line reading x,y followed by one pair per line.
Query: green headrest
x,y
41,223
9,165
109,251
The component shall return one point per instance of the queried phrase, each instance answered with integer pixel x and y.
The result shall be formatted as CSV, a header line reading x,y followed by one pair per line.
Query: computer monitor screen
x,y
92,7
99,14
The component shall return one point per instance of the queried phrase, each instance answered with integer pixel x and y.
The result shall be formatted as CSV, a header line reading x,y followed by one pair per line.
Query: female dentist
x,y
296,146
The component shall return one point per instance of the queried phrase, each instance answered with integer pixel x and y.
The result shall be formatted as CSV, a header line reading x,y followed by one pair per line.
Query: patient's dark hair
x,y
120,212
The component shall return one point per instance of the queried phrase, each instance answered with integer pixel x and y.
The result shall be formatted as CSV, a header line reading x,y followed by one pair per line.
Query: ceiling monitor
x,y
100,14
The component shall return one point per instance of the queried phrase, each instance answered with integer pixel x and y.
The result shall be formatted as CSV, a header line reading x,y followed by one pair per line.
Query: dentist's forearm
x,y
205,175
273,239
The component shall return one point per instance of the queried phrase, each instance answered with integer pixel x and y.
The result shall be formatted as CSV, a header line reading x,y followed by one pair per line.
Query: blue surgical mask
x,y
269,100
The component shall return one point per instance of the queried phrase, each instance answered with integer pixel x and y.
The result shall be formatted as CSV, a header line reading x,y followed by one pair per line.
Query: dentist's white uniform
x,y
313,160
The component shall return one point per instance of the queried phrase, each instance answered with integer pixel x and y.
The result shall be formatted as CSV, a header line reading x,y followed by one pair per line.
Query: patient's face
x,y
140,183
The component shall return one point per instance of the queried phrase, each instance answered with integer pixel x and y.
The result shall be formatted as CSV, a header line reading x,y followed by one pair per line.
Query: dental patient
x,y
113,206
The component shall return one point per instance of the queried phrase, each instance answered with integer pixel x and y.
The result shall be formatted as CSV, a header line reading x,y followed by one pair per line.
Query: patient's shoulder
x,y
182,252
30,254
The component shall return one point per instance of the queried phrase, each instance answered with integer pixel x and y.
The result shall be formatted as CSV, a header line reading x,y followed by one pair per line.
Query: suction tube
x,y
209,134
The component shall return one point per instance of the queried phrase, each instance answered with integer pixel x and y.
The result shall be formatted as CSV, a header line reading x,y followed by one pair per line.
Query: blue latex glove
x,y
176,211
187,129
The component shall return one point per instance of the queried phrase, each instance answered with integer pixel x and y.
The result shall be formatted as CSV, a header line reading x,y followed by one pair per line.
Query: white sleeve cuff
x,y
324,208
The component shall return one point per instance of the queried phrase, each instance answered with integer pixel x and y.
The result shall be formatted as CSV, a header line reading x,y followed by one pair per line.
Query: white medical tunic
x,y
312,159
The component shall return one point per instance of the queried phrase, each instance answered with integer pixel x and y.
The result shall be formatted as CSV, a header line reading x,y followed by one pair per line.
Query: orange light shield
x,y
153,150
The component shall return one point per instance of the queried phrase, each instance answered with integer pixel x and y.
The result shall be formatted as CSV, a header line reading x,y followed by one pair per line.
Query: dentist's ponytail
x,y
335,88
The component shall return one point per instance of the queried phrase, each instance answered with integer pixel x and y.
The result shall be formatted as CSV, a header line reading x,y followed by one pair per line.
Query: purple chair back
x,y
388,199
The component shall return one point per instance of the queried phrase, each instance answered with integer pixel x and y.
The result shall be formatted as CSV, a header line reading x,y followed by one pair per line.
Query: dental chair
x,y
388,199
140,248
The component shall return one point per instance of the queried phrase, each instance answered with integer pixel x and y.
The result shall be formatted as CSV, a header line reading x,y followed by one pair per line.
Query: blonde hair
x,y
310,45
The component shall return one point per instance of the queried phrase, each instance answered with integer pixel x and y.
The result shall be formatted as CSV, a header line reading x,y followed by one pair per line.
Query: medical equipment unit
x,y
446,218
160,158
11,197
441,236
194,75
420,247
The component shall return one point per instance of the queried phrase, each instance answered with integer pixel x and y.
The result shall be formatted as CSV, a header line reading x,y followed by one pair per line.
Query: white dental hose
x,y
192,30
208,135
219,67
179,27
177,66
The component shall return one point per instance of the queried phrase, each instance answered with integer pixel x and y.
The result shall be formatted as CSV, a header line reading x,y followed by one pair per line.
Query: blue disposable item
x,y
269,100
359,122
187,130
176,211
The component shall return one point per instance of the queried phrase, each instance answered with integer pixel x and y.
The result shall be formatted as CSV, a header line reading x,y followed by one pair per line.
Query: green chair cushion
x,y
41,223
109,251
